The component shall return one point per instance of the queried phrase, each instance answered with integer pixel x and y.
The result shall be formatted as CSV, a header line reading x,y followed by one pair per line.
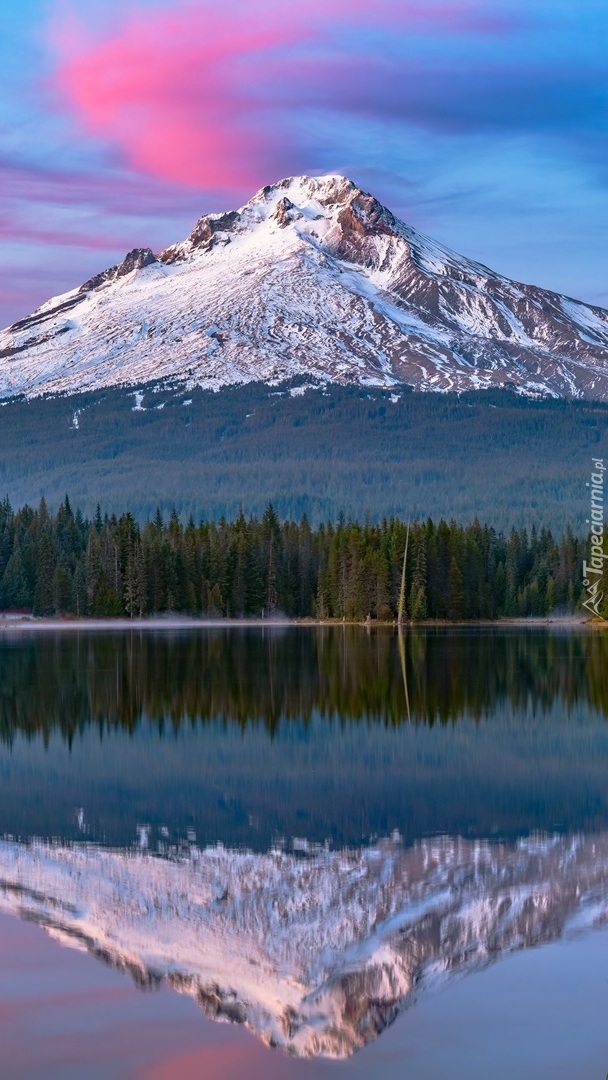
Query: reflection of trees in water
x,y
246,676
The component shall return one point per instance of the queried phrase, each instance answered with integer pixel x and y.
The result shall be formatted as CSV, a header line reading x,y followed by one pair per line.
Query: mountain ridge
x,y
311,276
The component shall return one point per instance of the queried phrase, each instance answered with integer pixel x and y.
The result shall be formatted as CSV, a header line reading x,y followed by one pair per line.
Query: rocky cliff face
x,y
316,954
311,276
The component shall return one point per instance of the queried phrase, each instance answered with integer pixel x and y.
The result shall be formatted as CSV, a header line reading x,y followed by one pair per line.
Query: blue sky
x,y
482,124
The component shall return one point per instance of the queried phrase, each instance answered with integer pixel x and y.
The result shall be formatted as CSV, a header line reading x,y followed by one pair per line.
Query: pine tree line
x,y
66,564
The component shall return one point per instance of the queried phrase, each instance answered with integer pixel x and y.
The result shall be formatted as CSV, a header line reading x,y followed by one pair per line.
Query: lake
x,y
302,839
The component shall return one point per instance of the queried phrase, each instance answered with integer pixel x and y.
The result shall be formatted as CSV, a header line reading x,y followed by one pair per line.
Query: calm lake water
x,y
303,839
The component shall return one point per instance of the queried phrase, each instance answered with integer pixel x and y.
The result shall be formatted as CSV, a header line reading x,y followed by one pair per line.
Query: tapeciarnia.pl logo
x,y
593,571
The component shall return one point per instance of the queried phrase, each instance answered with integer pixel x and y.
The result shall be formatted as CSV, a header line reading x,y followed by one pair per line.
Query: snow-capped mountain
x,y
312,276
316,954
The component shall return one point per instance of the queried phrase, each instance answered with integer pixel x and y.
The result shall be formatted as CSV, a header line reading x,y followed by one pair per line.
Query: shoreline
x,y
185,622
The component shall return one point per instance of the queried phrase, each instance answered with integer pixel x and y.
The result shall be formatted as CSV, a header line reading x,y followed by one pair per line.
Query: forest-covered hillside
x,y
366,452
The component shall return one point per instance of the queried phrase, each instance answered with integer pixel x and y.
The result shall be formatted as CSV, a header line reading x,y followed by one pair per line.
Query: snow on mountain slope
x,y
312,276
315,955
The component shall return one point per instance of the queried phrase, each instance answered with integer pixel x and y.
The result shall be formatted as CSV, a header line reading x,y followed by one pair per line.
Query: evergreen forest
x,y
67,564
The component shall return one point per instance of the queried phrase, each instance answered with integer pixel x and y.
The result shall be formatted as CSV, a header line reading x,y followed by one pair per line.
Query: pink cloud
x,y
197,94
175,92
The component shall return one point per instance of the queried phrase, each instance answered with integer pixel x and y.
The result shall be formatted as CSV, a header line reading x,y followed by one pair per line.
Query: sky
x,y
482,124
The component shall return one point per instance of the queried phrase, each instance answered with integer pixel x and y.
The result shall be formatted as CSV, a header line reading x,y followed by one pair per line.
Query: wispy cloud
x,y
204,94
111,190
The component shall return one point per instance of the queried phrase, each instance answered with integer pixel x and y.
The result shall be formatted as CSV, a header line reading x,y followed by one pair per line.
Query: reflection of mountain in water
x,y
315,954
251,676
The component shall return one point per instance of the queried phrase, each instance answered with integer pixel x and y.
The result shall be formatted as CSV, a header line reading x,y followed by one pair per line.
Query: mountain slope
x,y
311,276
341,449
316,955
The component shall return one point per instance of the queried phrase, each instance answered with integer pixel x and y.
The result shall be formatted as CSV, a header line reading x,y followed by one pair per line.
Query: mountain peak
x,y
295,198
325,193
312,276
326,189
